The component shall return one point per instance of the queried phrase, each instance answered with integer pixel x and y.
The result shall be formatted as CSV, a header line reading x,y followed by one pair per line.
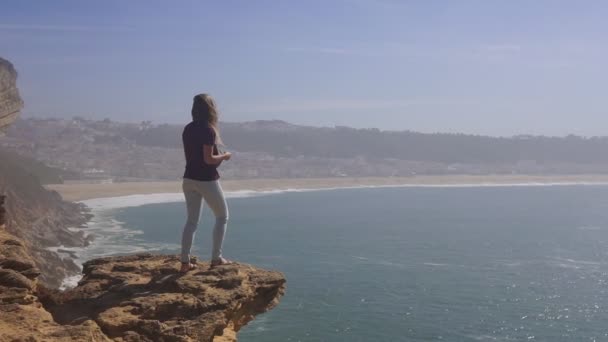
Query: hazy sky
x,y
485,67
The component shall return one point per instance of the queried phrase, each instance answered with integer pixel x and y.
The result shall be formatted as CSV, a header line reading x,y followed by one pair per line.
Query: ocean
x,y
486,263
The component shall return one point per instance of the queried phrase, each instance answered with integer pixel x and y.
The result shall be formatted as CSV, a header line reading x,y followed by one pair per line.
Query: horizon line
x,y
520,136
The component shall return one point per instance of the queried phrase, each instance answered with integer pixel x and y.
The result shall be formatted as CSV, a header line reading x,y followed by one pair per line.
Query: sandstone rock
x,y
138,298
10,101
22,316
144,298
11,278
16,295
32,323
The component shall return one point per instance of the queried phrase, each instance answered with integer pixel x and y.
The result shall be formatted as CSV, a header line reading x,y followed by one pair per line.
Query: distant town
x,y
107,151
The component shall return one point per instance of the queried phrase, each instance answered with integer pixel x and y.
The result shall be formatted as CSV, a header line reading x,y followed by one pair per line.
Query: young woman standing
x,y
201,178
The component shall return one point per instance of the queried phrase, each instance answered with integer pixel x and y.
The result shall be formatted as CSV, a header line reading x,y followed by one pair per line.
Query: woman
x,y
201,179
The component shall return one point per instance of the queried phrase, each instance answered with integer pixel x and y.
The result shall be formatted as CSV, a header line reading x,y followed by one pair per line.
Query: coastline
x,y
85,192
104,199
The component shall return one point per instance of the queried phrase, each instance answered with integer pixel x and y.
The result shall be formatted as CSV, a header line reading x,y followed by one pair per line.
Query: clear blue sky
x,y
484,67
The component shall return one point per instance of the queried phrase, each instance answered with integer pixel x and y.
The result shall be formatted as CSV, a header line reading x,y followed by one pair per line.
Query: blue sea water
x,y
414,264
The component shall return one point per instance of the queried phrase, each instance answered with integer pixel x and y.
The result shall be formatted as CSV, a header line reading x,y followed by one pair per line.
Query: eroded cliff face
x,y
10,101
39,218
136,298
22,316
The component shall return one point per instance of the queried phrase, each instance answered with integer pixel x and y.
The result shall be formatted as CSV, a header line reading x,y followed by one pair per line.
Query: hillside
x,y
97,150
282,139
43,173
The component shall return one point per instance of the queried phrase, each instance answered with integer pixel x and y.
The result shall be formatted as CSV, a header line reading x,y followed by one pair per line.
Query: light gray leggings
x,y
211,192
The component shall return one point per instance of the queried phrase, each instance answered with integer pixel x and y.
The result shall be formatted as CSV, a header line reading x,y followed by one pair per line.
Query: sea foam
x,y
156,198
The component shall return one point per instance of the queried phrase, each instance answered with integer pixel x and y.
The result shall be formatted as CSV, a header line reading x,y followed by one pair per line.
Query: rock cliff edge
x,y
135,298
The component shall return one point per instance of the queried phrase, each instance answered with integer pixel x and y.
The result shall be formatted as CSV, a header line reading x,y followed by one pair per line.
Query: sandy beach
x,y
79,192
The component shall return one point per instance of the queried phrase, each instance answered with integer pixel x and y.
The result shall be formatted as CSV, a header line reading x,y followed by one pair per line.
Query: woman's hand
x,y
214,159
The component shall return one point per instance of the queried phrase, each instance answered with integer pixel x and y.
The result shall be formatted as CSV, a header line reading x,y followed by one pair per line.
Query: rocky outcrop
x,y
22,316
135,298
10,101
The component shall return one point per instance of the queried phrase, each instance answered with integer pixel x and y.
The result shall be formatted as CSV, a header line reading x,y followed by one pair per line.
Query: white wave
x,y
156,198
70,282
569,266
485,338
110,237
589,228
131,201
512,264
118,202
434,264
492,185
578,262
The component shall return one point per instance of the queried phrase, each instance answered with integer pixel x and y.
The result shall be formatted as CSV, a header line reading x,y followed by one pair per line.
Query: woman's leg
x,y
214,197
193,205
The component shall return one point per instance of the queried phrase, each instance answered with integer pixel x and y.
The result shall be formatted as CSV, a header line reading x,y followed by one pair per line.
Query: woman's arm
x,y
211,159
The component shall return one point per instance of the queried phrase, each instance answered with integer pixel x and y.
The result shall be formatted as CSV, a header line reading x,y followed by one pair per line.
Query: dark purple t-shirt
x,y
196,135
